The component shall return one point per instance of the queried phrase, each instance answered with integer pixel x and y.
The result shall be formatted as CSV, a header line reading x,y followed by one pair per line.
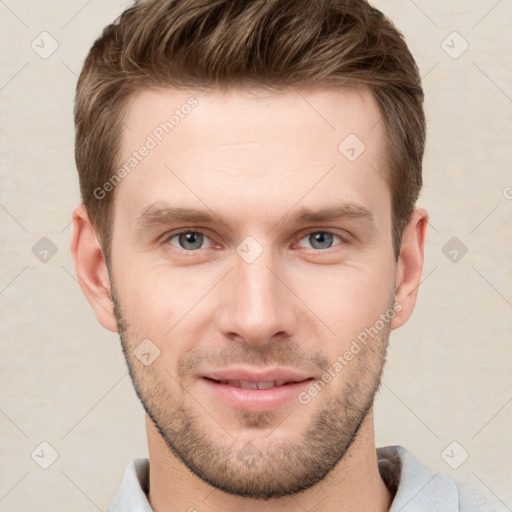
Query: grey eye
x,y
321,240
189,240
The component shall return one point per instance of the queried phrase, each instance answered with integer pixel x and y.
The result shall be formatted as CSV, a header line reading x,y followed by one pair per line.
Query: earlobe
x,y
91,269
410,266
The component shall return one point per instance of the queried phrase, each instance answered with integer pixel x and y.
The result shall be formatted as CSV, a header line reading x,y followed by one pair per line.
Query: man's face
x,y
252,250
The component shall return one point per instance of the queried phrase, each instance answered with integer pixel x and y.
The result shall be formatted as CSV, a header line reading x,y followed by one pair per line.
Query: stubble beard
x,y
272,467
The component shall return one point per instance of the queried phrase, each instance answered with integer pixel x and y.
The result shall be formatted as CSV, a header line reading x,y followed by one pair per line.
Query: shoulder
x,y
417,489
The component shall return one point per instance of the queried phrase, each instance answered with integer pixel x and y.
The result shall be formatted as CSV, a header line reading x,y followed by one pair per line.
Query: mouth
x,y
255,391
244,384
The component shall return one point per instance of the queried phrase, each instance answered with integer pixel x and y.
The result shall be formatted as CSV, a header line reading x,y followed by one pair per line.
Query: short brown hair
x,y
271,44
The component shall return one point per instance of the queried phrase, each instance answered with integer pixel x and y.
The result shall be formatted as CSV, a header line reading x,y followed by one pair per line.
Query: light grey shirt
x,y
415,488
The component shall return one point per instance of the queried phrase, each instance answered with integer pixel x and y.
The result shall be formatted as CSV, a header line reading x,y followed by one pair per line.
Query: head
x,y
249,213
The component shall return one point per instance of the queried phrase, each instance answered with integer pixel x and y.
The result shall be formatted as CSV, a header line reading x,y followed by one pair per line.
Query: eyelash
x,y
170,236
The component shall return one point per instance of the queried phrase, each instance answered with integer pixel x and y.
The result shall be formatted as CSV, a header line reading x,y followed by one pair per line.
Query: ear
x,y
91,269
409,267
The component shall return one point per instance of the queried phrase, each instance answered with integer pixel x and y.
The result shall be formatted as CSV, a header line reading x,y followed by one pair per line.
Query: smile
x,y
251,390
254,385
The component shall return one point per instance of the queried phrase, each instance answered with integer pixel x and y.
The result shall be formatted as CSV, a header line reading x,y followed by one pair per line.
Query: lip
x,y
255,400
252,375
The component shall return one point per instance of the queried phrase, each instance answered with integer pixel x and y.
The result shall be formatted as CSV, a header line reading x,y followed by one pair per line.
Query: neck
x,y
354,484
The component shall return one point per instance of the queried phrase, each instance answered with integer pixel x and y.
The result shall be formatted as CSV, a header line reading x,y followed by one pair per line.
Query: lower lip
x,y
256,400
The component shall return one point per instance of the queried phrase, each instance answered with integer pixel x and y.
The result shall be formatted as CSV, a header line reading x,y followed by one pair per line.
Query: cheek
x,y
163,304
347,299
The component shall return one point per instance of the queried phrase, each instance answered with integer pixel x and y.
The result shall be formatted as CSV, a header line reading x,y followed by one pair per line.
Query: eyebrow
x,y
344,211
161,214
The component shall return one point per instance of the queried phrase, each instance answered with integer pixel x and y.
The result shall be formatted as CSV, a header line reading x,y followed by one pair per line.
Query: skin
x,y
255,160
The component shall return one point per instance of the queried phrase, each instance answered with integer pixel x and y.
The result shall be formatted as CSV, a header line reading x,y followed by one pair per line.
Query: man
x,y
249,173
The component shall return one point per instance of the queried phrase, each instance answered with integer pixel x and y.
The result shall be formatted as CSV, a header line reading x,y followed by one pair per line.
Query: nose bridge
x,y
256,306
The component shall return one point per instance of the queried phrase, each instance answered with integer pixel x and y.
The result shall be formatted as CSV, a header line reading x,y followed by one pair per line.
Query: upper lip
x,y
256,375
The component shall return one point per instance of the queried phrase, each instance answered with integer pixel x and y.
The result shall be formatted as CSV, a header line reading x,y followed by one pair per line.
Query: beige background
x,y
63,379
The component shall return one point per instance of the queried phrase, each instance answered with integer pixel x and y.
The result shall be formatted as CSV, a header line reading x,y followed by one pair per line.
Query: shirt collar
x,y
132,496
419,490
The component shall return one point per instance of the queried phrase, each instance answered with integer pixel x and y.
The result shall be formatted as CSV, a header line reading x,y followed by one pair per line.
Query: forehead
x,y
264,149
238,114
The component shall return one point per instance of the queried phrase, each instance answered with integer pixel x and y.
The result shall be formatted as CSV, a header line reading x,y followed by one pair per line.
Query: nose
x,y
255,305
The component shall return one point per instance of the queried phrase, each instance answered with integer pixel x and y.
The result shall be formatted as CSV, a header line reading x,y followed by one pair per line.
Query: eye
x,y
189,240
320,240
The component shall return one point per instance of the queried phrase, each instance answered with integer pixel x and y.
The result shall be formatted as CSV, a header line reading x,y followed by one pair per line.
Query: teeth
x,y
254,385
266,385
248,385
